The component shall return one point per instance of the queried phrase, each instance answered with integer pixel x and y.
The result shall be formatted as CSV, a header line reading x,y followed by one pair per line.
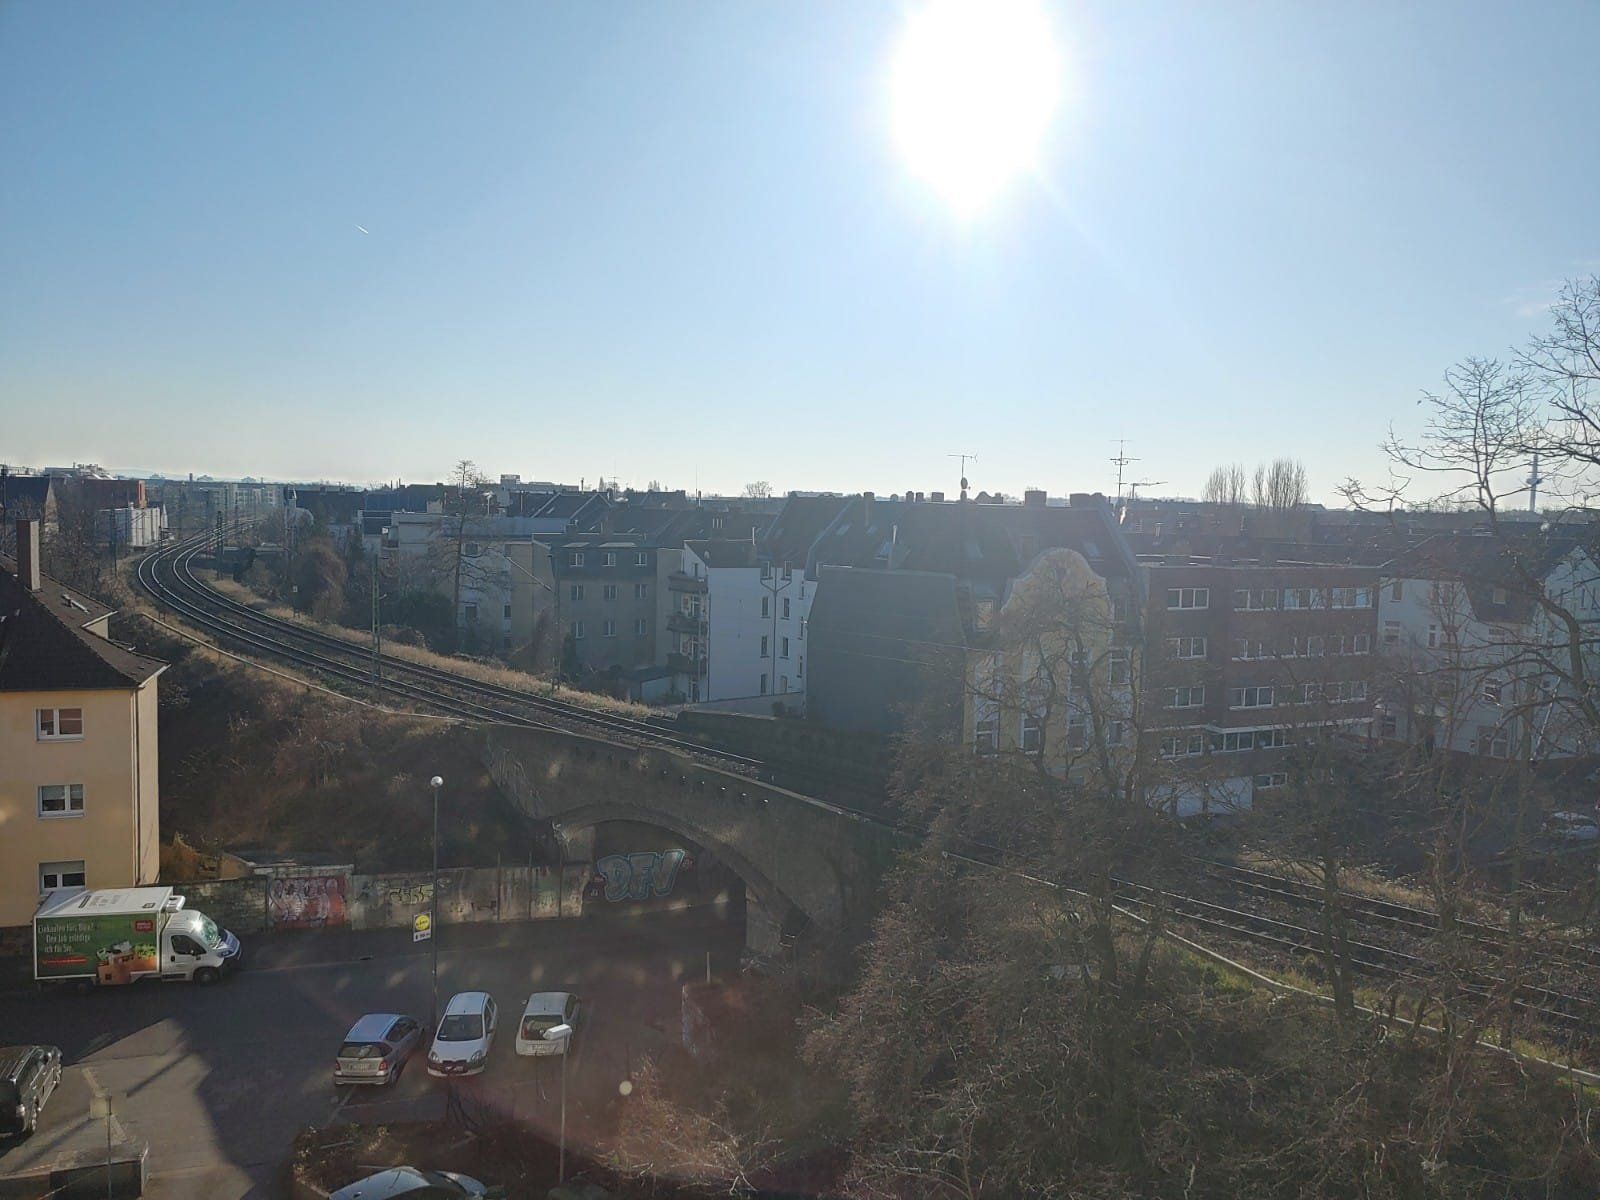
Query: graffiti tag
x,y
639,875
306,903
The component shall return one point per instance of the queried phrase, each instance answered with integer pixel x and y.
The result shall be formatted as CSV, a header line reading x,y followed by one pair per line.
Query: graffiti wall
x,y
307,902
641,864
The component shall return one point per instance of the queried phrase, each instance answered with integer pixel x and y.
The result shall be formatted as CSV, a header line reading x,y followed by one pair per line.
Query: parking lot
x,y
219,1080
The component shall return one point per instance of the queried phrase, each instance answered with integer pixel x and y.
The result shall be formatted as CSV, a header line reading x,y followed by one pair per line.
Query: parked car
x,y
1572,827
415,1184
546,1011
28,1076
376,1049
466,1031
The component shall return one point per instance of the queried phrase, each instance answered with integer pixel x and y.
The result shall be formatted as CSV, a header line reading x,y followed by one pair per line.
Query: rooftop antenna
x,y
1133,488
1122,458
964,459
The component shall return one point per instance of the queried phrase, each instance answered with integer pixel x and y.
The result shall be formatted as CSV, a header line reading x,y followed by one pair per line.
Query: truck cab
x,y
195,947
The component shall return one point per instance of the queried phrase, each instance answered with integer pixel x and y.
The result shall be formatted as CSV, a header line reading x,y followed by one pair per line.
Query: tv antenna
x,y
1133,488
1122,458
964,459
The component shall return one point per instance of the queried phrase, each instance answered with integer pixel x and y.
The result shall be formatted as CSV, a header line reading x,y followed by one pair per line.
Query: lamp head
x,y
437,781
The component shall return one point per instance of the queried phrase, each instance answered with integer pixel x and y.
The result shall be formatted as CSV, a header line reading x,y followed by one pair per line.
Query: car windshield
x,y
534,1026
363,1050
209,934
461,1027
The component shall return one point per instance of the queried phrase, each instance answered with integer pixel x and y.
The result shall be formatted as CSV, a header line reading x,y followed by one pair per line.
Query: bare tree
x,y
758,489
1280,486
1226,485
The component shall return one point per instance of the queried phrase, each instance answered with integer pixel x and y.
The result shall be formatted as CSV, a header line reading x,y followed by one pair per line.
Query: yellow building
x,y
79,797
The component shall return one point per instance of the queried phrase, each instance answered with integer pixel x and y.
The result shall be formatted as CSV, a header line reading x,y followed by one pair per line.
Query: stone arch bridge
x,y
806,864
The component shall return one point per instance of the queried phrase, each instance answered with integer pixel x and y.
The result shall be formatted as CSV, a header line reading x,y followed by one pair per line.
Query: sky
x,y
676,241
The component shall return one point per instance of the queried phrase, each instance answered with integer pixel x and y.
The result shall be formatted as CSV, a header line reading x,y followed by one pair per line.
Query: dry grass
x,y
471,668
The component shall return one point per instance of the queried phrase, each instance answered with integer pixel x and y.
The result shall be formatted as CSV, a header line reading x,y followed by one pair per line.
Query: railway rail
x,y
1558,1008
167,576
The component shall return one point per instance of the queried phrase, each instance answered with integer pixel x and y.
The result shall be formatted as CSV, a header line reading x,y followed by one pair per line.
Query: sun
x,y
973,88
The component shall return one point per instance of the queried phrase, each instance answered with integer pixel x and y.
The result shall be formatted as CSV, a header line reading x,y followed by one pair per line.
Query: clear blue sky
x,y
675,240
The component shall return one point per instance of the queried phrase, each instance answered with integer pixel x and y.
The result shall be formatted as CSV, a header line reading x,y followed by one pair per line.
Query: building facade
x,y
79,792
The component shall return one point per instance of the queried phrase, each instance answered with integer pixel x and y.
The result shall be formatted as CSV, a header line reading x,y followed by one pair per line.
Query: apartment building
x,y
1477,663
1245,658
79,793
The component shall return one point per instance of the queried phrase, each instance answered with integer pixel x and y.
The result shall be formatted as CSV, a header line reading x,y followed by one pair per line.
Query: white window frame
x,y
641,626
766,649
766,607
1030,733
610,558
641,591
1193,696
608,591
575,558
576,592
1118,665
1183,745
54,734
608,628
1391,633
1253,696
62,870
641,558
1185,599
1363,644
1269,780
1255,599
68,791
577,631
1397,591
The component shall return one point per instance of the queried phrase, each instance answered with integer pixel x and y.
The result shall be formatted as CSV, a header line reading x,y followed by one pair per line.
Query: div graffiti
x,y
637,876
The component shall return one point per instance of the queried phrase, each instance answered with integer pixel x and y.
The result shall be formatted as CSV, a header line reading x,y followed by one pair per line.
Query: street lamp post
x,y
563,1034
435,783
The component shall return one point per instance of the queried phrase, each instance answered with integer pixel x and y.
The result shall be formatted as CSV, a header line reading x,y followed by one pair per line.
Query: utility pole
x,y
433,901
219,543
965,458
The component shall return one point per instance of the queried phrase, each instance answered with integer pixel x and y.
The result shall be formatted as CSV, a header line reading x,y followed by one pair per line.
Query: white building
x,y
1478,657
130,528
747,619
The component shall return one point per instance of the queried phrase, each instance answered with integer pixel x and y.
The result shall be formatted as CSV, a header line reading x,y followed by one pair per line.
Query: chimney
x,y
28,555
936,497
919,497
1033,498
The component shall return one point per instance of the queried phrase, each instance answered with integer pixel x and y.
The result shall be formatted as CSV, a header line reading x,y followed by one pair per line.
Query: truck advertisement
x,y
114,948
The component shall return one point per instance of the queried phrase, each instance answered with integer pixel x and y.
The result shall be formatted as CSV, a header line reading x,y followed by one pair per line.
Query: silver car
x,y
410,1182
376,1049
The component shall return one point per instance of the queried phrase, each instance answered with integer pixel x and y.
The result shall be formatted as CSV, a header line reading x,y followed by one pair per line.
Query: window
x,y
642,558
783,647
766,606
575,559
1336,644
1362,644
1250,697
53,875
608,591
1350,597
1249,739
1031,736
1188,597
1389,726
1255,599
577,591
470,611
1183,745
608,629
1491,690
1246,650
1498,595
61,800
803,621
986,735
1186,697
58,724
471,549
1117,664
763,683
1433,636
1314,646
1186,647
786,608
1077,736
1299,598
611,558
1116,732
1273,779
983,614
577,631
1496,743
1343,693
1397,591
641,591
507,613
783,684
641,626
764,648
1391,633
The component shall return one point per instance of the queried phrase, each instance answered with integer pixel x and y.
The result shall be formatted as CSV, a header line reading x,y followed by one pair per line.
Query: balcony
x,y
683,664
677,581
682,622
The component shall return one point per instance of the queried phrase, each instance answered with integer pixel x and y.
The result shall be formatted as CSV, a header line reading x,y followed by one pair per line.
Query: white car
x,y
466,1031
1572,827
546,1011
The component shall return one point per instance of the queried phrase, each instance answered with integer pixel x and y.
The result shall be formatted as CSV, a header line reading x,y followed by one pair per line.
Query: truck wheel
x,y
30,1122
206,976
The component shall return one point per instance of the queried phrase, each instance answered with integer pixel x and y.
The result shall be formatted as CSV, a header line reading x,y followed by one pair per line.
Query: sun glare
x,y
973,87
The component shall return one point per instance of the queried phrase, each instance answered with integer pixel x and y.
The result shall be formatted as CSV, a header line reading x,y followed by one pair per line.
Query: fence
x,y
335,898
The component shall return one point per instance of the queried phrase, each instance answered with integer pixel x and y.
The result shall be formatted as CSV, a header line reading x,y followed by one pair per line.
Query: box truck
x,y
122,935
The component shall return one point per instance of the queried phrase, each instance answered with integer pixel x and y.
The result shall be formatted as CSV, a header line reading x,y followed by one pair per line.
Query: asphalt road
x,y
219,1080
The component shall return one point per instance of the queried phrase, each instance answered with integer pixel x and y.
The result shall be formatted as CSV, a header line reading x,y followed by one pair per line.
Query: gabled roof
x,y
25,491
46,645
798,524
725,553
1495,570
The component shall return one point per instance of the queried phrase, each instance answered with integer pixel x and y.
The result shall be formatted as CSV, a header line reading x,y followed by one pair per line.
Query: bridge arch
x,y
809,864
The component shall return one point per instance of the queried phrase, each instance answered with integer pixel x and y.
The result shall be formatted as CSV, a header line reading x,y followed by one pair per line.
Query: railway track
x,y
1407,918
167,576
1557,1008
